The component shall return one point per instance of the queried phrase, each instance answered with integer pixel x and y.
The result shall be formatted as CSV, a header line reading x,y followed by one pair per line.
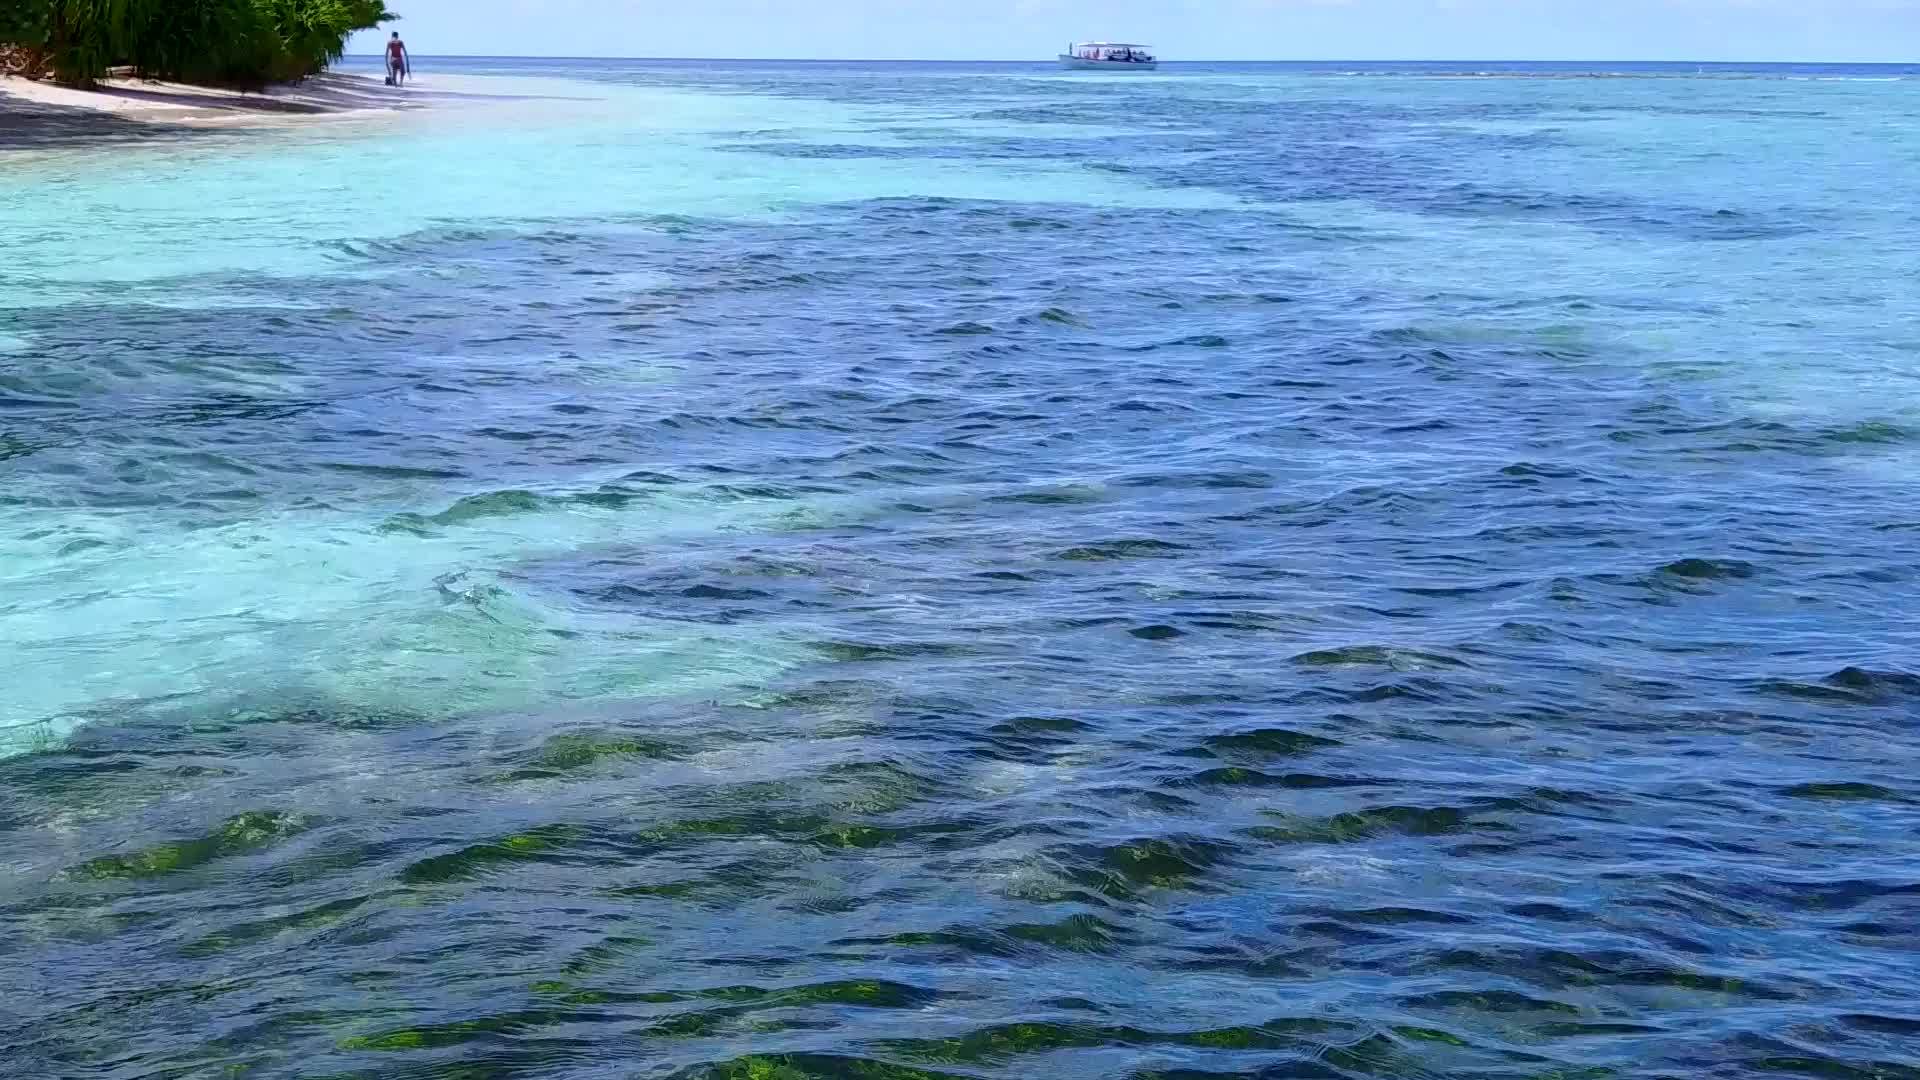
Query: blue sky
x,y
1834,30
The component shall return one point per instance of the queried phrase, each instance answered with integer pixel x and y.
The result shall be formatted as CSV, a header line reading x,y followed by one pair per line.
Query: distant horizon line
x,y
1188,60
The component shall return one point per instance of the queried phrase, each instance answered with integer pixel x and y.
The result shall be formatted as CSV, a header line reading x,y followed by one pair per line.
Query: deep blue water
x,y
783,570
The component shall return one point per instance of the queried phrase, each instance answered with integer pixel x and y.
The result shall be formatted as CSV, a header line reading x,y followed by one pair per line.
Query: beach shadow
x,y
165,110
33,125
318,94
199,103
326,93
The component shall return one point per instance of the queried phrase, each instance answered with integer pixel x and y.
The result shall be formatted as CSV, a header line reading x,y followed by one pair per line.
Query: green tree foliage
x,y
20,21
226,42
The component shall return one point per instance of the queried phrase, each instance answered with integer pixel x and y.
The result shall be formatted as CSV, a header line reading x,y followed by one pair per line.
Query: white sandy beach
x,y
42,113
180,103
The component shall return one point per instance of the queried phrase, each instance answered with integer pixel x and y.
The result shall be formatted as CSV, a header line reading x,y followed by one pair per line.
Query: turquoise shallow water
x,y
815,570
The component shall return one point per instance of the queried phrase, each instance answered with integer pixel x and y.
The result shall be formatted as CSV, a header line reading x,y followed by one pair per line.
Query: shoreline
x,y
328,92
43,114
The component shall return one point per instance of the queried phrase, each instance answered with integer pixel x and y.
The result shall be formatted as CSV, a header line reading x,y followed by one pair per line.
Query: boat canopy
x,y
1110,50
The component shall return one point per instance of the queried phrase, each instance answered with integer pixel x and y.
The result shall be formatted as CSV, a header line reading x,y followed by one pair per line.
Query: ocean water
x,y
726,570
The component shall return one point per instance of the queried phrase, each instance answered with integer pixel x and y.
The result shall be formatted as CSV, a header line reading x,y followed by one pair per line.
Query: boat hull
x,y
1075,63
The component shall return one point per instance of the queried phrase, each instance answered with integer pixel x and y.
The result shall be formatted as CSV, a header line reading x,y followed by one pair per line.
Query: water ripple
x,y
877,572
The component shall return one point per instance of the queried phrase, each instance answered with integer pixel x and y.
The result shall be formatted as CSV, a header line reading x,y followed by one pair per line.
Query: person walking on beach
x,y
399,64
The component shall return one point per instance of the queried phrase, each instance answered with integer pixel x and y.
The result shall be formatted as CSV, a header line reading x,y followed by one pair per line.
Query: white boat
x,y
1108,56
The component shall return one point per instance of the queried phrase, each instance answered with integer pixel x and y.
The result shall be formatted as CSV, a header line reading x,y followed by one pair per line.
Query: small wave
x,y
1698,569
583,750
468,510
1054,316
1845,791
243,834
1876,684
967,329
1191,341
1372,823
1235,776
1379,656
1265,742
1110,550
